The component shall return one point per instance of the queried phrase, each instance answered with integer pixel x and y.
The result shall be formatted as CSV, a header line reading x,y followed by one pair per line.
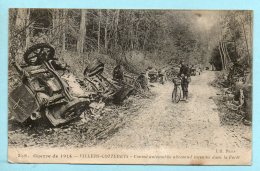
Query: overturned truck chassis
x,y
43,93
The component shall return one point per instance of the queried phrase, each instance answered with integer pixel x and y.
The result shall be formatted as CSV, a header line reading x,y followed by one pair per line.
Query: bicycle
x,y
176,93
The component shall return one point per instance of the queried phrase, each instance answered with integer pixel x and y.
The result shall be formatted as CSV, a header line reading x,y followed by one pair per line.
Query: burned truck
x,y
43,93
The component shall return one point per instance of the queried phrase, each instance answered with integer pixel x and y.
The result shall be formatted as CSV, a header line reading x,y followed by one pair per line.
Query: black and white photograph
x,y
130,86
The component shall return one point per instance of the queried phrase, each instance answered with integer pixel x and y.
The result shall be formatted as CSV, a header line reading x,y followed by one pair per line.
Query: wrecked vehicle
x,y
109,89
43,92
153,75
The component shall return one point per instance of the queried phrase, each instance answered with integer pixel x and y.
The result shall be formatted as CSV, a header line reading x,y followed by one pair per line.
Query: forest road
x,y
162,123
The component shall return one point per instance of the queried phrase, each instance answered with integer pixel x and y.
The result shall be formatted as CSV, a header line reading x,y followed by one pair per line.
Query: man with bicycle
x,y
184,74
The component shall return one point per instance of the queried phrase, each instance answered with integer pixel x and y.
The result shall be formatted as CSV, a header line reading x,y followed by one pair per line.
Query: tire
x,y
38,60
176,95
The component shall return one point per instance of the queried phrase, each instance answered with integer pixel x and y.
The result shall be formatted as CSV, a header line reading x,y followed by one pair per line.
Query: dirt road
x,y
195,124
147,122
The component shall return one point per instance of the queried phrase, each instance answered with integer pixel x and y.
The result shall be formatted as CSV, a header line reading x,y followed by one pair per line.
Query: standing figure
x,y
162,75
185,79
118,74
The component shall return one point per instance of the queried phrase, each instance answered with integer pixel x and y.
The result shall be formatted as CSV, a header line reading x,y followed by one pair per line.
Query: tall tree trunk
x,y
82,32
136,41
145,38
227,53
21,18
224,55
106,29
64,27
56,31
99,29
116,28
220,41
250,31
54,23
132,30
244,31
20,25
221,55
27,43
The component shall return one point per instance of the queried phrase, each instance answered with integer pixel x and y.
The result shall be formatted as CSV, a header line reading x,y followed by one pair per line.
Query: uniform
x,y
185,80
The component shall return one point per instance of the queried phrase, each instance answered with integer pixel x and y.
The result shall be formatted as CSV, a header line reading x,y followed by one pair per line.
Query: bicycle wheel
x,y
176,94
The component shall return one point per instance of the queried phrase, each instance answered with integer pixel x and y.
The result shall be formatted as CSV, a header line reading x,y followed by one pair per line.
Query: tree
x,y
99,30
21,24
64,29
82,32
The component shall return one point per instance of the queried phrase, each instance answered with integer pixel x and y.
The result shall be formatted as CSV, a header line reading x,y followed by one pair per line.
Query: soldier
x,y
118,74
162,75
185,79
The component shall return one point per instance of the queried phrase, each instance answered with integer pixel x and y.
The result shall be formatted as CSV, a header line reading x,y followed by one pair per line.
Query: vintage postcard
x,y
124,86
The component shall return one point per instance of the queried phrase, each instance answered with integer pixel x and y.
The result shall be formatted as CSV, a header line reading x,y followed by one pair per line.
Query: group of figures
x,y
182,78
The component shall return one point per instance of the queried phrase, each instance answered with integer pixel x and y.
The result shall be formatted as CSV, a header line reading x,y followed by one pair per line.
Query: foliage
x,y
161,37
235,29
